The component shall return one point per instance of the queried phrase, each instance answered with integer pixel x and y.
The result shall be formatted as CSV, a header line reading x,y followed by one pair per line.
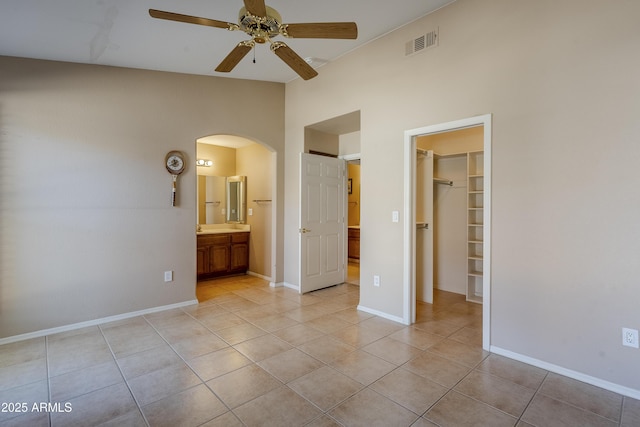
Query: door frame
x,y
349,158
409,250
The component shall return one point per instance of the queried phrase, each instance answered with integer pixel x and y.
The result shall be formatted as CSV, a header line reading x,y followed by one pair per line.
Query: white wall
x,y
87,228
561,80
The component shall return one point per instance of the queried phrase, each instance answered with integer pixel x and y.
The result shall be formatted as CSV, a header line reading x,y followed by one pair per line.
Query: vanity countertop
x,y
354,227
222,228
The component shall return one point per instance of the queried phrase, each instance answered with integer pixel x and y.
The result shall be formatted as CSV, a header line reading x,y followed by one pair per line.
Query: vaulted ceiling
x,y
121,32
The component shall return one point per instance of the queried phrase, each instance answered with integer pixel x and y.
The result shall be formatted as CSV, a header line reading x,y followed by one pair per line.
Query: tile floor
x,y
253,355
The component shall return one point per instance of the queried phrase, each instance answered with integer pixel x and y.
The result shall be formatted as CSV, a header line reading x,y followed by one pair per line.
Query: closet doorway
x,y
353,220
447,229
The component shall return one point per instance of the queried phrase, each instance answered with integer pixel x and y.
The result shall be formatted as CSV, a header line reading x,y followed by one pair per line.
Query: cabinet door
x,y
354,247
218,258
203,260
239,256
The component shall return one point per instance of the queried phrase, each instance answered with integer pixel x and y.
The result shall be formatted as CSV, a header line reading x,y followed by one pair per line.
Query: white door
x,y
424,226
322,222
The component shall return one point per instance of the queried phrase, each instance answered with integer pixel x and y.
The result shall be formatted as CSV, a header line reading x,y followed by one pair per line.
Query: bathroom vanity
x,y
223,251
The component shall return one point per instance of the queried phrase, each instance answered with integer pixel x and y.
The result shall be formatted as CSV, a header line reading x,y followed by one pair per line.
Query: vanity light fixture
x,y
204,162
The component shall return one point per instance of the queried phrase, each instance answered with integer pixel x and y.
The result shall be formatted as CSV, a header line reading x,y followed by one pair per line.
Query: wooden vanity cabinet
x,y
222,254
239,252
354,243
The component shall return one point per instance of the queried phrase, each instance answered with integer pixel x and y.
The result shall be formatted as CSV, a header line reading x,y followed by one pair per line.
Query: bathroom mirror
x,y
236,199
211,199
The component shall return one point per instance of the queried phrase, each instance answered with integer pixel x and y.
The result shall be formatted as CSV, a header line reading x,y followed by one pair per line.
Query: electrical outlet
x,y
250,211
630,337
376,280
168,276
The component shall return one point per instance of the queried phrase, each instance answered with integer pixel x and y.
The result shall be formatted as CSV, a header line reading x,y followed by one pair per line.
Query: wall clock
x,y
174,161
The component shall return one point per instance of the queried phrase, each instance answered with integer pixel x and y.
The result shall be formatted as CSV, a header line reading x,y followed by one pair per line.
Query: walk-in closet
x,y
449,213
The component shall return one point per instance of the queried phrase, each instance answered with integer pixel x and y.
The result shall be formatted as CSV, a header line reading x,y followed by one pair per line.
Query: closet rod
x,y
443,181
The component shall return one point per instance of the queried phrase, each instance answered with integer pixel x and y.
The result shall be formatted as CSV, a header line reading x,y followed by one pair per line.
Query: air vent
x,y
422,43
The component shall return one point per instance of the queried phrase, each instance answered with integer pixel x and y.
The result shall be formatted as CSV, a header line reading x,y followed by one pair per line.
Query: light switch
x,y
395,216
250,211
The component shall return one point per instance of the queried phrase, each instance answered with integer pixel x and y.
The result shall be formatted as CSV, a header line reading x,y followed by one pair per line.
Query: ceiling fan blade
x,y
170,16
293,60
234,57
322,30
256,7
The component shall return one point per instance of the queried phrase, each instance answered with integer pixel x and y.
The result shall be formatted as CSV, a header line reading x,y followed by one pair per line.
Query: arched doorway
x,y
230,155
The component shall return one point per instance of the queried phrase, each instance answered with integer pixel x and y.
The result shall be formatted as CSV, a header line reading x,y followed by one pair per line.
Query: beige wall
x,y
87,228
454,142
322,142
561,80
254,161
349,143
223,158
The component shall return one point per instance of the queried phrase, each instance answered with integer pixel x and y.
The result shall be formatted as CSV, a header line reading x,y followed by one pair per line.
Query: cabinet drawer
x,y
213,239
239,237
354,233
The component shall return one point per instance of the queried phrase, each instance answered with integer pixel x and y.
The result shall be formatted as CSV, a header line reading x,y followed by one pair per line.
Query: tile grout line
x,y
46,354
574,405
202,381
533,397
124,379
451,389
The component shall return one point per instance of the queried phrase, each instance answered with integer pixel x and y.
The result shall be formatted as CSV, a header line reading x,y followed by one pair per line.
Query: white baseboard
x,y
381,314
616,388
290,286
276,285
251,273
94,322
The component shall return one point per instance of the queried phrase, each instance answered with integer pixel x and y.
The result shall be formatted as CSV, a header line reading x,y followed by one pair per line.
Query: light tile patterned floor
x,y
253,355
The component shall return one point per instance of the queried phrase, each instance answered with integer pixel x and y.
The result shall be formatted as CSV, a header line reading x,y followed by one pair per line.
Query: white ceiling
x,y
121,32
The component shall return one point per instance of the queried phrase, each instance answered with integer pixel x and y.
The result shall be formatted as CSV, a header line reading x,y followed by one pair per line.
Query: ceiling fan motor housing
x,y
261,28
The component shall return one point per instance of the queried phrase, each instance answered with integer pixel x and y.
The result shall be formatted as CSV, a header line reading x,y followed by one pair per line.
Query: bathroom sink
x,y
223,228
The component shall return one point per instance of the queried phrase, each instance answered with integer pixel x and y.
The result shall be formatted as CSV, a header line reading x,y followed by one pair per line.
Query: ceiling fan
x,y
263,23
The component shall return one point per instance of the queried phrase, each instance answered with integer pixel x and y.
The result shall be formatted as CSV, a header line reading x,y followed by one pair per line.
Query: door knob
x,y
304,230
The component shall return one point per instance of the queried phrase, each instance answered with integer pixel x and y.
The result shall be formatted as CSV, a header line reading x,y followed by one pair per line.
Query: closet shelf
x,y
475,223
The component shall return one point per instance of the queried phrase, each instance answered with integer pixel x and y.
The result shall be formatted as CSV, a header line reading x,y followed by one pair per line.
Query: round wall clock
x,y
174,161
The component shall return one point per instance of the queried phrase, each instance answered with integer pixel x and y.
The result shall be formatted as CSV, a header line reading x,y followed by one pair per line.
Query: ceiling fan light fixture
x,y
262,23
261,28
